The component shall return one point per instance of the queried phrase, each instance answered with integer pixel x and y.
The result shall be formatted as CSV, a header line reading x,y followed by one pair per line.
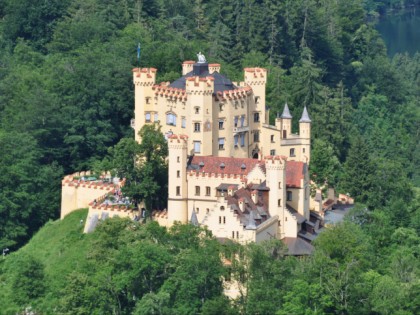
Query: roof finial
x,y
305,116
201,58
286,112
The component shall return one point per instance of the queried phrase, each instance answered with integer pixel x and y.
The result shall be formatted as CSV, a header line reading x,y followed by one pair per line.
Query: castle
x,y
221,117
229,169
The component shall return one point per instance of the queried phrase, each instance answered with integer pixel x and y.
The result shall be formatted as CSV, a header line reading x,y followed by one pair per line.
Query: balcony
x,y
240,129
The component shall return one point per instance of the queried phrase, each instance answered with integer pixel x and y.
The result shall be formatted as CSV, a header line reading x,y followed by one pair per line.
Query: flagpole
x,y
138,55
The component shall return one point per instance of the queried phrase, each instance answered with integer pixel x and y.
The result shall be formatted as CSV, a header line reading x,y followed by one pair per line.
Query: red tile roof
x,y
294,170
232,165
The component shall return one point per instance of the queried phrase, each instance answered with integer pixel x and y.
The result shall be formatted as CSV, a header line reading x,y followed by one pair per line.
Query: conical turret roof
x,y
305,116
194,220
286,112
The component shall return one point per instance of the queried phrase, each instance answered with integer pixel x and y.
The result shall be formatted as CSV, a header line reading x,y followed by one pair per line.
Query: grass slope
x,y
60,245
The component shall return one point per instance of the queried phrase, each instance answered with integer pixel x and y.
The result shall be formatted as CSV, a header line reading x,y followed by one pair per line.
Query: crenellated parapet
x,y
277,162
144,76
255,76
199,85
170,93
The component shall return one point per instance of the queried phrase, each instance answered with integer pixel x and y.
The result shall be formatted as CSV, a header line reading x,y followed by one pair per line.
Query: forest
x,y
66,98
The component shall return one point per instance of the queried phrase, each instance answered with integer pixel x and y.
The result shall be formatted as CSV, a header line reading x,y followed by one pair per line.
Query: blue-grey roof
x,y
305,116
194,220
286,112
221,83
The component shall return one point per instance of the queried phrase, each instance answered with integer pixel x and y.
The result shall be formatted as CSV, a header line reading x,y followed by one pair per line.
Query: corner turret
x,y
305,135
286,122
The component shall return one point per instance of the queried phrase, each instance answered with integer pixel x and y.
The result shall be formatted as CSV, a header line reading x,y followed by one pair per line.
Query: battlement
x,y
237,94
215,175
214,67
200,84
169,92
144,76
255,74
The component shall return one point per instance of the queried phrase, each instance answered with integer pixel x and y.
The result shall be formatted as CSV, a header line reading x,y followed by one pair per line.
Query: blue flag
x,y
138,53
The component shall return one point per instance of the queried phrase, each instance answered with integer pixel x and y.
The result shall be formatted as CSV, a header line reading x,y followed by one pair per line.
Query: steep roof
x,y
295,172
286,112
305,116
297,247
221,83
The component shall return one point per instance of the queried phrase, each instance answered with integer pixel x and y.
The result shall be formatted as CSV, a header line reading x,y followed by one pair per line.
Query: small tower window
x,y
279,202
148,100
197,146
178,159
208,191
221,143
183,122
289,195
256,136
272,138
178,190
148,117
222,208
197,190
178,174
292,152
221,124
197,110
303,150
256,117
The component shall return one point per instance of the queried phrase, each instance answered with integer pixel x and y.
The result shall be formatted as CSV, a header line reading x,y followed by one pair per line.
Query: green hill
x,y
60,246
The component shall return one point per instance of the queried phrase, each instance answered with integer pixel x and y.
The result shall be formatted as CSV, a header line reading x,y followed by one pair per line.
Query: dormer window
x,y
222,165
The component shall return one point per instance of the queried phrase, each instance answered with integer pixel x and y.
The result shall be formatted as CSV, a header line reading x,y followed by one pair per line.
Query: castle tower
x,y
177,179
256,78
286,122
200,100
276,179
305,135
144,111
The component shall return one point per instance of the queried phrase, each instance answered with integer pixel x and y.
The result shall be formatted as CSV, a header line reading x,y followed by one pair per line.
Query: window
x,y
178,174
235,140
242,136
284,134
197,110
235,121
289,196
197,146
292,152
196,127
178,190
207,210
171,119
272,152
221,143
197,210
183,122
242,120
148,100
236,104
272,138
197,190
256,117
237,234
221,124
257,98
220,220
303,150
208,191
224,220
222,208
178,159
279,202
233,234
256,136
156,118
148,117
221,107
280,185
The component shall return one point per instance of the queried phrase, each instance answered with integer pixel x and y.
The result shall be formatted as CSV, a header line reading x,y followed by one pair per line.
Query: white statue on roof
x,y
201,58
